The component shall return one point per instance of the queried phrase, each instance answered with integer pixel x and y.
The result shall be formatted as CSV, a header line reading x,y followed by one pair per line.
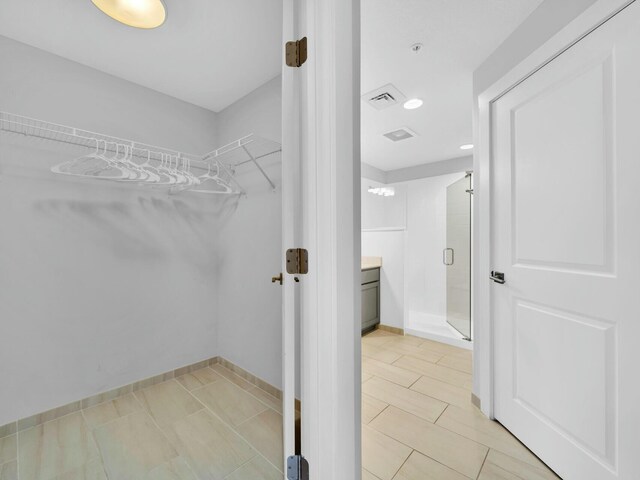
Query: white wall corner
x,y
373,173
544,22
433,169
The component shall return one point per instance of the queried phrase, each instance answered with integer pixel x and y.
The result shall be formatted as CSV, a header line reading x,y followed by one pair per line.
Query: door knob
x,y
278,279
498,277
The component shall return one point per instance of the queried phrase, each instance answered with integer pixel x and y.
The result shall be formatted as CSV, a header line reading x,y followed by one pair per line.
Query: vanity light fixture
x,y
413,104
134,13
467,146
382,191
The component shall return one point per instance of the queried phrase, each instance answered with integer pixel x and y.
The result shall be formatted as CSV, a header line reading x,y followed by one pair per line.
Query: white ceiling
x,y
458,35
209,52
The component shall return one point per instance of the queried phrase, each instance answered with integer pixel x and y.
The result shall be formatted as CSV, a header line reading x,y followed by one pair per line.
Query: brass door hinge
x,y
296,52
297,261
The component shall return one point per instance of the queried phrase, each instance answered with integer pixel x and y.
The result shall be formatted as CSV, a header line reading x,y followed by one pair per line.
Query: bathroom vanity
x,y
370,285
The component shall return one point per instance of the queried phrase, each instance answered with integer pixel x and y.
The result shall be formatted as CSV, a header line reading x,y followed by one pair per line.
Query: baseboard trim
x,y
475,400
255,380
55,413
387,328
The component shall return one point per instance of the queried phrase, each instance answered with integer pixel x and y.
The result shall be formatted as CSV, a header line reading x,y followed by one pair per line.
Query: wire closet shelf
x,y
118,159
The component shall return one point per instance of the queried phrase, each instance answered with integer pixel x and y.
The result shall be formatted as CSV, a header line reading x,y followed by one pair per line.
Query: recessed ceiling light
x,y
413,104
135,13
467,146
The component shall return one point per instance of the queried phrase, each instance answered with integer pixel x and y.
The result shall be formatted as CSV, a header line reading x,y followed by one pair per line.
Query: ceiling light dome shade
x,y
135,13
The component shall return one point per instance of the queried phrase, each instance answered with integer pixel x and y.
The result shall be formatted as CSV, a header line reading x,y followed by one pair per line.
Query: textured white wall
x,y
250,309
383,235
380,212
101,284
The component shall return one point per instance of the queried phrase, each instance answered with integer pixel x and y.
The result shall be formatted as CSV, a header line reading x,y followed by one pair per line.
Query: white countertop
x,y
368,263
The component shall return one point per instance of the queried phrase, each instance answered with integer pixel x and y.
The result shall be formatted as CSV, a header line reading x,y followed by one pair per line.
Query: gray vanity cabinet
x,y
370,299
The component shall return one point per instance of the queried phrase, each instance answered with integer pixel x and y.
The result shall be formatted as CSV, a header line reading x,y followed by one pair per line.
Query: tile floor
x,y
206,425
418,422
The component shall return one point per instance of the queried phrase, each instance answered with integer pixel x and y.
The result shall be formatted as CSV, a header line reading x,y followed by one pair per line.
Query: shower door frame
x,y
468,192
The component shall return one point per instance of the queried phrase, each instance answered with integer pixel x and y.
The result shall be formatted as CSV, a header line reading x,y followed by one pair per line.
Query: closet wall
x,y
101,284
250,309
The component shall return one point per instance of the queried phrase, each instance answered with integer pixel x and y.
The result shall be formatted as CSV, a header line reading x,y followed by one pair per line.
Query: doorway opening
x,y
419,416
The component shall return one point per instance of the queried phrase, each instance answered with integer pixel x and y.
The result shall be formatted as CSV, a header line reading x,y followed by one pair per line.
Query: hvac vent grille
x,y
384,97
403,133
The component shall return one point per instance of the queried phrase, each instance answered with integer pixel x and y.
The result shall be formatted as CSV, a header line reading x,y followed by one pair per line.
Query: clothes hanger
x,y
153,176
215,178
90,165
165,169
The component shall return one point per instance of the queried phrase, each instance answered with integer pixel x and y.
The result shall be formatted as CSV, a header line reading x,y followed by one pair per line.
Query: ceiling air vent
x,y
401,134
384,97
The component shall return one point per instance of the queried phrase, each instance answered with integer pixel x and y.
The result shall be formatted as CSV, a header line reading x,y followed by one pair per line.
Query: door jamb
x,y
291,229
576,30
330,173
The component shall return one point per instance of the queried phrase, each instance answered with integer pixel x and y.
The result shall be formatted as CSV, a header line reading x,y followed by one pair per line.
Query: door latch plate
x,y
297,261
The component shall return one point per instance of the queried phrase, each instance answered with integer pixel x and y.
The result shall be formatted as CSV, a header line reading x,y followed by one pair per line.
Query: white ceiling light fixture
x,y
145,14
382,191
466,146
413,104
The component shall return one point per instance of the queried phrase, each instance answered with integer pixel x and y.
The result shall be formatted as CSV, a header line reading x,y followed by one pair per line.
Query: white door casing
x,y
323,99
565,231
291,228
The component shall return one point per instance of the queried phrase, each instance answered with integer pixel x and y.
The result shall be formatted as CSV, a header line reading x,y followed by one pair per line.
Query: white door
x,y
566,235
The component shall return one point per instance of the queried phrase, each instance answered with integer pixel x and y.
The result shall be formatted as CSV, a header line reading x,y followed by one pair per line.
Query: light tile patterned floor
x,y
418,424
418,420
206,425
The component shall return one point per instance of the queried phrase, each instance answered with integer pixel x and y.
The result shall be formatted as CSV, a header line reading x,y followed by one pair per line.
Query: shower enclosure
x,y
457,255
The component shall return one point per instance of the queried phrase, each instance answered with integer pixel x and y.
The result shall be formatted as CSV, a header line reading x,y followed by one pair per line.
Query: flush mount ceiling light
x,y
382,191
135,13
467,146
413,104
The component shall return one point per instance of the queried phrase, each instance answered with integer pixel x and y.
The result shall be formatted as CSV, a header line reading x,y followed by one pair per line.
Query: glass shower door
x,y
457,256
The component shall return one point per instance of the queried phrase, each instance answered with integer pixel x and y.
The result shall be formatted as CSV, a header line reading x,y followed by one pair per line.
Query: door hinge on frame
x,y
297,468
297,261
296,52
